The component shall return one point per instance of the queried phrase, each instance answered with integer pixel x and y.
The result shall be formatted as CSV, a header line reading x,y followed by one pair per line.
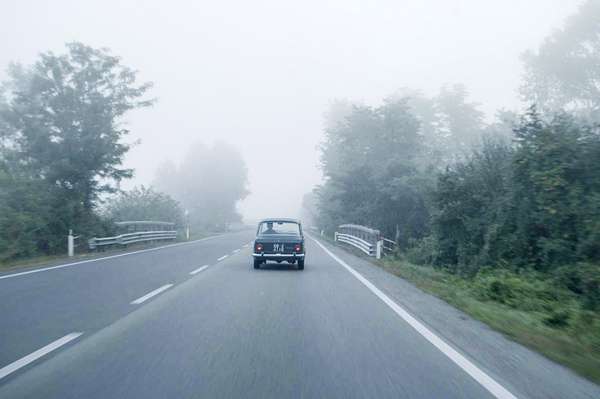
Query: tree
x,y
556,191
25,208
564,73
209,184
61,145
450,124
533,204
308,213
370,164
64,116
144,203
469,206
460,123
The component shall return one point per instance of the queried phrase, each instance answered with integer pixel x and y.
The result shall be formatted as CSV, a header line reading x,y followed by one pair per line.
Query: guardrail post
x,y
70,244
379,249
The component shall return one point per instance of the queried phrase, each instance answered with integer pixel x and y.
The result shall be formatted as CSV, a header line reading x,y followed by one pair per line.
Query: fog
x,y
259,75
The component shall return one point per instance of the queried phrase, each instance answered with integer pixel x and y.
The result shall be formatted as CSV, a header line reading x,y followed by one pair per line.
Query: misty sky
x,y
260,74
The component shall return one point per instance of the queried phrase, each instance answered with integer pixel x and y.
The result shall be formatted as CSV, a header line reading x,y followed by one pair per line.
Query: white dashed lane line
x,y
235,251
44,269
24,361
222,257
198,270
151,294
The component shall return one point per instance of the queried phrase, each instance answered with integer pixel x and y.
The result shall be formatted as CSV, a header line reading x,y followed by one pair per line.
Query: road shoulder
x,y
512,364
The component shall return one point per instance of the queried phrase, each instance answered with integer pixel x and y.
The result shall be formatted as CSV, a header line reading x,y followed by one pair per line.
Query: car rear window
x,y
275,227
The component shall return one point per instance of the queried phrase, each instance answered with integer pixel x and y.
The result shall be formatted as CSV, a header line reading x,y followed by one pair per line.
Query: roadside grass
x,y
550,321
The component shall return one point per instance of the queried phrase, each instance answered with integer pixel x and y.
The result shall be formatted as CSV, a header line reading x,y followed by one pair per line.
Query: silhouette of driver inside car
x,y
269,229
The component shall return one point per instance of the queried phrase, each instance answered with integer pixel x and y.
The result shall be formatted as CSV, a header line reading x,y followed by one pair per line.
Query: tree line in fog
x,y
62,144
520,192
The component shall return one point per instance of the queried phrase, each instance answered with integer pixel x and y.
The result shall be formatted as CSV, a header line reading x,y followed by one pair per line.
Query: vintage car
x,y
279,240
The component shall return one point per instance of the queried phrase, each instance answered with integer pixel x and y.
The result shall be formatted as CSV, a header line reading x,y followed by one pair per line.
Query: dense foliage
x,y
144,203
519,196
563,74
533,204
530,203
370,159
380,162
61,146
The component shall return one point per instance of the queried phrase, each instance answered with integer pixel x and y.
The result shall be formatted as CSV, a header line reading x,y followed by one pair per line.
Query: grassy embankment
x,y
533,309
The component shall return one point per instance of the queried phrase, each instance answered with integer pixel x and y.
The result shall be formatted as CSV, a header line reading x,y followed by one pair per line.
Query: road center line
x,y
476,373
198,270
222,257
24,361
151,294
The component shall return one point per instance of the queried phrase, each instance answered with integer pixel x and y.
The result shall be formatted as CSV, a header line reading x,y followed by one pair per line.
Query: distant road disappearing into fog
x,y
196,320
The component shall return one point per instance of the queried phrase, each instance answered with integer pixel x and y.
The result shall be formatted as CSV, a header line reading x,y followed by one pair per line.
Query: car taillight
x,y
298,247
259,247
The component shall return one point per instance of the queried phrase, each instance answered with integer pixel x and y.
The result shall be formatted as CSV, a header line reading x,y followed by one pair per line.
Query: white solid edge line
x,y
151,294
222,257
24,361
105,258
476,373
198,270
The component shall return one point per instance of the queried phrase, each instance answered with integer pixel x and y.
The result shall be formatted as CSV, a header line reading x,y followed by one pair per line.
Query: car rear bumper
x,y
278,256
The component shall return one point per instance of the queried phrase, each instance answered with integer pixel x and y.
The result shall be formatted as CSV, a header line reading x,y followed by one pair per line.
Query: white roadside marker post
x,y
187,225
70,244
379,249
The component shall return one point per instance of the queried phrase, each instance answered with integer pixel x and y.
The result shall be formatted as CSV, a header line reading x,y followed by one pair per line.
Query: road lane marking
x,y
235,251
246,245
44,269
198,270
222,257
151,294
476,373
24,361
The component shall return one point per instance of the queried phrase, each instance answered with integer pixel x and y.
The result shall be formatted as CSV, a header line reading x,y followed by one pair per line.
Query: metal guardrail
x,y
130,238
368,240
389,245
153,224
359,243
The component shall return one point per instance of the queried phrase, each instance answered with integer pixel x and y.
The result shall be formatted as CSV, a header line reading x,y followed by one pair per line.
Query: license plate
x,y
278,248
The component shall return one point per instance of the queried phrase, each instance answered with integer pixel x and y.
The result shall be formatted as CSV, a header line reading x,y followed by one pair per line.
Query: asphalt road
x,y
187,322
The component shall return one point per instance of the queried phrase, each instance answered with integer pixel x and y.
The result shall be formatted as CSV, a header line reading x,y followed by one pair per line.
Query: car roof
x,y
290,220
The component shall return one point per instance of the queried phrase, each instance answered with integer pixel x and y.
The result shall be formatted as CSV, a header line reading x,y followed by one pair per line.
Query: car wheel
x,y
300,264
257,263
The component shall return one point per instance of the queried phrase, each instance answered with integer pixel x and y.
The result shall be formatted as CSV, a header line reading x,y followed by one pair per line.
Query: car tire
x,y
301,264
257,263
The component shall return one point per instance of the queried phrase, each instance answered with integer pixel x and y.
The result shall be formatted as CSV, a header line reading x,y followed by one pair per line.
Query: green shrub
x,y
527,291
557,318
582,279
423,252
